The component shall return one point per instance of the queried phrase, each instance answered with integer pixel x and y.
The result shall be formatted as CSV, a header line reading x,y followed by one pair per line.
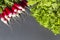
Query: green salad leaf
x,y
47,13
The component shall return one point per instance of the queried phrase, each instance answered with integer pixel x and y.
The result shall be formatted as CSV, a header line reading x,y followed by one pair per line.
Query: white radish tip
x,y
19,11
7,18
17,15
4,21
10,15
15,10
21,8
14,15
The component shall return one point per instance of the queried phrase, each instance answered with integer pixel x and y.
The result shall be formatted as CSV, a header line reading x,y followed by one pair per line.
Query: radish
x,y
14,10
3,19
19,7
5,15
8,12
23,3
19,10
15,14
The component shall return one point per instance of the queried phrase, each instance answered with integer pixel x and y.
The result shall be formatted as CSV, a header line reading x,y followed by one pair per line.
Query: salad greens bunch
x,y
47,13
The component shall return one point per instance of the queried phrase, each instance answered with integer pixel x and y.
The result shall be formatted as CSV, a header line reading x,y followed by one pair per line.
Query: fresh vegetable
x,y
47,13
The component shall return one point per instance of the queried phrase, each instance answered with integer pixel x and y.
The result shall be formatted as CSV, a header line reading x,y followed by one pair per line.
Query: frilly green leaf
x,y
47,13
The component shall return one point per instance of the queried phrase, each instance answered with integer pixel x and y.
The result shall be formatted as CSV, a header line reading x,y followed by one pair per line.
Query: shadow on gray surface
x,y
28,30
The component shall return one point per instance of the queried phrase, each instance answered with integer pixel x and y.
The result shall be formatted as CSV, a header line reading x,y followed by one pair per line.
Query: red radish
x,y
23,3
14,10
18,10
9,12
3,19
19,7
5,15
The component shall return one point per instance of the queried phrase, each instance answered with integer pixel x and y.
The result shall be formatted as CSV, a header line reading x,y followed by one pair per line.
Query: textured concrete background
x,y
28,30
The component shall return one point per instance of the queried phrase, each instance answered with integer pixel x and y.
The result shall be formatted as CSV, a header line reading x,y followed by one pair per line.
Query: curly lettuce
x,y
47,13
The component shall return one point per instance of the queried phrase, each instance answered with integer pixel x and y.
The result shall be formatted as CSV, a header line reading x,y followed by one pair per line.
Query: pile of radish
x,y
12,12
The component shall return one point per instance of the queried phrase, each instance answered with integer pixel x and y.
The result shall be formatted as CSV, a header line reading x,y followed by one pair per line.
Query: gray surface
x,y
28,30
